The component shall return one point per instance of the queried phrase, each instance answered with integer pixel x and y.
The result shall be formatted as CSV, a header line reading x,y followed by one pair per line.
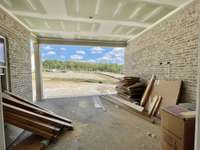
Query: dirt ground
x,y
70,84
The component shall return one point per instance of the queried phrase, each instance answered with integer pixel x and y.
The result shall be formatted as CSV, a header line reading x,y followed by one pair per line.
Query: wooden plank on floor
x,y
29,128
20,111
129,104
13,99
34,123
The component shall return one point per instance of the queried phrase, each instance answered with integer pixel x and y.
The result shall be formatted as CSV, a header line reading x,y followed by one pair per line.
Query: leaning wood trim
x,y
23,112
32,107
32,123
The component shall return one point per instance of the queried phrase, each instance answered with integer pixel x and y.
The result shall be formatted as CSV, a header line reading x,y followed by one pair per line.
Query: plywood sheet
x,y
169,90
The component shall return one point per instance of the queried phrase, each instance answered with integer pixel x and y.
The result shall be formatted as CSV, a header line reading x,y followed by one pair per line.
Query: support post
x,y
38,71
2,134
197,132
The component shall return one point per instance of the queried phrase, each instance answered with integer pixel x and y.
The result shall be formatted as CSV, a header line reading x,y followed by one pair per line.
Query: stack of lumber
x,y
157,94
131,88
23,114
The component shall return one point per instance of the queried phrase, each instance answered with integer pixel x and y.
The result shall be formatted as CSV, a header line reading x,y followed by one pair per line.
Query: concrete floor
x,y
101,125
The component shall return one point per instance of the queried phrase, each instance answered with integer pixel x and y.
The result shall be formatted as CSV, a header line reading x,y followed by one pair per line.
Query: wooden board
x,y
169,90
129,104
147,91
152,103
10,100
33,115
157,106
33,107
34,123
29,128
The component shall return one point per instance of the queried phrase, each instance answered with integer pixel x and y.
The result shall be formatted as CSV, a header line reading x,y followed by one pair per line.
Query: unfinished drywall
x,y
19,62
168,50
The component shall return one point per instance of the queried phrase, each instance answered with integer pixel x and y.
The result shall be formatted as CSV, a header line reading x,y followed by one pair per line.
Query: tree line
x,y
49,65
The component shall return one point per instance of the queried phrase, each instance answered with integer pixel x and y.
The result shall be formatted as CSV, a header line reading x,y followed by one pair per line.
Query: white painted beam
x,y
97,7
80,19
110,43
77,7
62,33
136,11
153,13
30,3
170,3
116,11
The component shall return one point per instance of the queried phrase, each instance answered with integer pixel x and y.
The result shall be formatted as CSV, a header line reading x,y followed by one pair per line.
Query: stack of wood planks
x,y
26,115
158,93
131,89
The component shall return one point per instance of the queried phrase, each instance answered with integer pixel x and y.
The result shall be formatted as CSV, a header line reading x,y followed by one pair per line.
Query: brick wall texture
x,y
173,40
19,55
19,63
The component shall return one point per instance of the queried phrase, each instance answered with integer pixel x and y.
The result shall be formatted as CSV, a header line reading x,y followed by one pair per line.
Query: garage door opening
x,y
70,71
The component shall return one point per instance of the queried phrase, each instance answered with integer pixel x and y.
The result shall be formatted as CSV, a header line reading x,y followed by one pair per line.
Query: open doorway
x,y
70,70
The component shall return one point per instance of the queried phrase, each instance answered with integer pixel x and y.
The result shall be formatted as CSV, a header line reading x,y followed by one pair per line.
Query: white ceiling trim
x,y
153,13
87,20
62,33
97,7
172,3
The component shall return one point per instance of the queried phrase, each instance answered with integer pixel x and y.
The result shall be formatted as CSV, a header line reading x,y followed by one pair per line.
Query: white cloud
x,y
76,57
80,52
97,50
63,49
48,47
51,53
114,56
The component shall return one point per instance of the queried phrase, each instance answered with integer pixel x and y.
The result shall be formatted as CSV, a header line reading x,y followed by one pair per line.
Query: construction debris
x,y
157,93
131,88
31,117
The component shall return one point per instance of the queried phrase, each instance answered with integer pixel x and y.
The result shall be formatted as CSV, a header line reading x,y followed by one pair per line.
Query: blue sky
x,y
83,53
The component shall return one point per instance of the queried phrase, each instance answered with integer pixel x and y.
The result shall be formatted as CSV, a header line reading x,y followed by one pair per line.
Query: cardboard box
x,y
178,128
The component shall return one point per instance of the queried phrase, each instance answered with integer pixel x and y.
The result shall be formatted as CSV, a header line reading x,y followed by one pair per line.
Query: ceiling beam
x,y
82,42
170,3
80,19
153,13
63,33
116,11
136,11
97,7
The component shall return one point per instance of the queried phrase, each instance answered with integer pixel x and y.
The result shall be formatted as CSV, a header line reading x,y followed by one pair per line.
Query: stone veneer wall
x,y
19,59
173,40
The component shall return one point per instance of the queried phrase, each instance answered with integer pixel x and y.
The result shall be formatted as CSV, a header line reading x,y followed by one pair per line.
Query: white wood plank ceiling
x,y
112,20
